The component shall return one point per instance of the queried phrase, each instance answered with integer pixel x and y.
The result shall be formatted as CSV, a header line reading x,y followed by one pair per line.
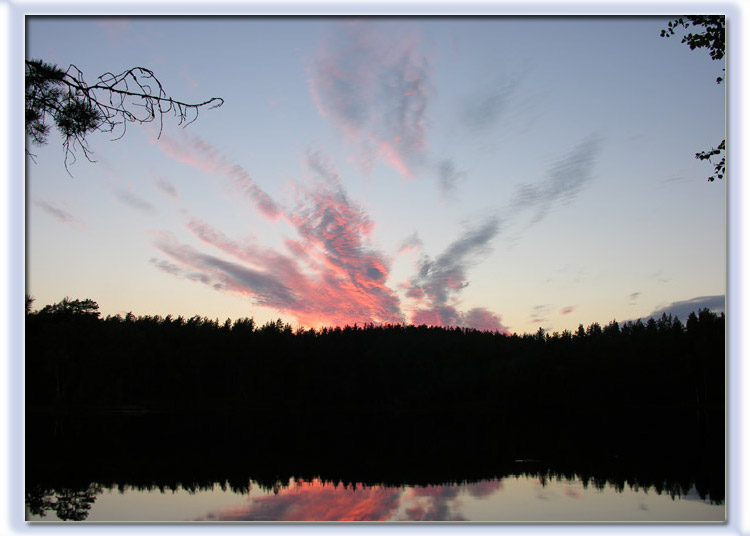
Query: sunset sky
x,y
497,173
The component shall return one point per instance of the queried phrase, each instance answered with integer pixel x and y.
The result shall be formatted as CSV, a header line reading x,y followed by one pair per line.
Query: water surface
x,y
230,467
514,499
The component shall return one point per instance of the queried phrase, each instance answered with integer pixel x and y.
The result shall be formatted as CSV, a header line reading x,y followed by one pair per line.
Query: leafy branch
x,y
713,38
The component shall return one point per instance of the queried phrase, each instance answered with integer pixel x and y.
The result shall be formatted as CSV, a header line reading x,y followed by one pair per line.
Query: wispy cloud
x,y
373,86
330,274
410,243
266,289
449,176
485,110
567,310
539,314
57,213
566,179
439,281
200,154
167,187
133,200
166,266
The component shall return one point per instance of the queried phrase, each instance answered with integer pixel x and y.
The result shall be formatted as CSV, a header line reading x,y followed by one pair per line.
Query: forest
x,y
78,361
133,402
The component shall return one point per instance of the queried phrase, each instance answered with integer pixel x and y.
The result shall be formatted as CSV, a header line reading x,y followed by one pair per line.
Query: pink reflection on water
x,y
315,501
319,501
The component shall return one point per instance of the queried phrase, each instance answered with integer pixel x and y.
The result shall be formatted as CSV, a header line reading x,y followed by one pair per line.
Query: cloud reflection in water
x,y
318,501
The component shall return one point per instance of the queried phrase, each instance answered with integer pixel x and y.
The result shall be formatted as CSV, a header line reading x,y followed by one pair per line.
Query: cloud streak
x,y
167,187
438,282
134,201
485,110
566,179
568,309
373,87
202,155
330,273
57,213
449,176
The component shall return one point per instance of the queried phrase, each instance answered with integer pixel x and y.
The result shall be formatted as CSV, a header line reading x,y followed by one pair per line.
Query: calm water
x,y
238,467
515,499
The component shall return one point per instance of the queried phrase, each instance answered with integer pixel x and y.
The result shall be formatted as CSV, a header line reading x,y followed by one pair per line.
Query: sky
x,y
503,173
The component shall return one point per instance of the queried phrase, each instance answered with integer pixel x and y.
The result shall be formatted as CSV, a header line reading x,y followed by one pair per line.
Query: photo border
x,y
12,192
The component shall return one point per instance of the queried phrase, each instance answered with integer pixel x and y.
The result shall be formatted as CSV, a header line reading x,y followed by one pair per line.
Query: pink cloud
x,y
482,319
567,310
328,275
374,88
439,281
192,151
447,316
202,155
411,243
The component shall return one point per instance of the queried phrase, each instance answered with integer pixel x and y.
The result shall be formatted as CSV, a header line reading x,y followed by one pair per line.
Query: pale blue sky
x,y
540,170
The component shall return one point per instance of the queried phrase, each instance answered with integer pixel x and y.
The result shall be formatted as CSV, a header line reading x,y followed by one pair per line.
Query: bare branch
x,y
77,108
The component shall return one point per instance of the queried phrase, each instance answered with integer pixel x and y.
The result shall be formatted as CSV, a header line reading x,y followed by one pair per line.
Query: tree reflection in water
x,y
69,504
433,457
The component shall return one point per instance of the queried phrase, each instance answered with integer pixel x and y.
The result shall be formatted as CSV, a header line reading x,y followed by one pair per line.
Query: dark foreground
x,y
70,457
154,402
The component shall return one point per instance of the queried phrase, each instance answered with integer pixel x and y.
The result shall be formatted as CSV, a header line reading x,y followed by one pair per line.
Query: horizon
x,y
680,313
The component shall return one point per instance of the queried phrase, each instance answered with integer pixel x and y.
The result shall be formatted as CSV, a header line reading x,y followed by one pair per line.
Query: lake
x,y
637,466
515,499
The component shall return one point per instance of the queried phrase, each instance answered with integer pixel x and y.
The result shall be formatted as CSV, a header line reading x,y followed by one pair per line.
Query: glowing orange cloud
x,y
330,277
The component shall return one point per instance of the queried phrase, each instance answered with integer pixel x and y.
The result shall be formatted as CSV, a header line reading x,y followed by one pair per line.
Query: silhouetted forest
x,y
77,360
150,402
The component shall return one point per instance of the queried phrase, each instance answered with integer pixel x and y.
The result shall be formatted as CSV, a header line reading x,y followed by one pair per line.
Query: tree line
x,y
75,359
